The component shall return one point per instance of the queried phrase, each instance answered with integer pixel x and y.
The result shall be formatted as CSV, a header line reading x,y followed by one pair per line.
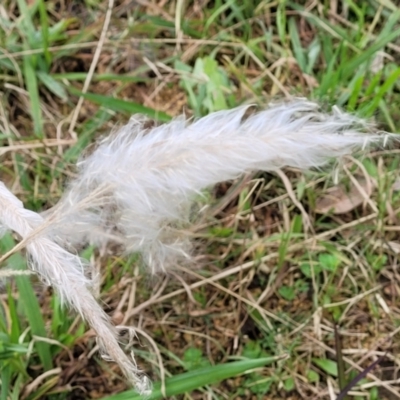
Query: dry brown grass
x,y
257,232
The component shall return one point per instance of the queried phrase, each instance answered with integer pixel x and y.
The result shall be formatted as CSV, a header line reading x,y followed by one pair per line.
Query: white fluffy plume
x,y
64,271
136,189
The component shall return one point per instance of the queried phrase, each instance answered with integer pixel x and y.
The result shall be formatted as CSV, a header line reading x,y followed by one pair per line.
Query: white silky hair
x,y
137,186
64,271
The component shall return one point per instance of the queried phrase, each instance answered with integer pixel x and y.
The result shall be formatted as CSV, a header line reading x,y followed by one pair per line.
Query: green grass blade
x,y
349,68
392,79
330,78
388,117
29,302
122,105
17,387
281,21
390,25
81,76
33,90
332,30
355,91
44,23
192,380
374,82
218,11
54,86
296,45
26,20
14,329
5,375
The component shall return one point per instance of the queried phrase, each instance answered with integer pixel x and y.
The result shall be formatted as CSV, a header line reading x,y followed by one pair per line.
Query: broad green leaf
x,y
328,366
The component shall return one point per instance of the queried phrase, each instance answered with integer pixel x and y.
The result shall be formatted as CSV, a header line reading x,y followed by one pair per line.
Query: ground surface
x,y
270,285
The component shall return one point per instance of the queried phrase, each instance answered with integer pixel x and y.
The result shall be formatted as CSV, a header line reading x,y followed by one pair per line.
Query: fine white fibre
x,y
64,271
136,187
136,190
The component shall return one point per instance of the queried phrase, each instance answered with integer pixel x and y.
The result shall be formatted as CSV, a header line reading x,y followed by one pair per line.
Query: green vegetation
x,y
258,321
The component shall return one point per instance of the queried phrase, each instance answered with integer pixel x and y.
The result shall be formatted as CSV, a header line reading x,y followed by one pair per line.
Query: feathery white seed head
x,y
136,189
147,178
64,271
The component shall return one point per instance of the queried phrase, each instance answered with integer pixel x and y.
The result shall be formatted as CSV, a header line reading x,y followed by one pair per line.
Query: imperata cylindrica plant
x,y
136,188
